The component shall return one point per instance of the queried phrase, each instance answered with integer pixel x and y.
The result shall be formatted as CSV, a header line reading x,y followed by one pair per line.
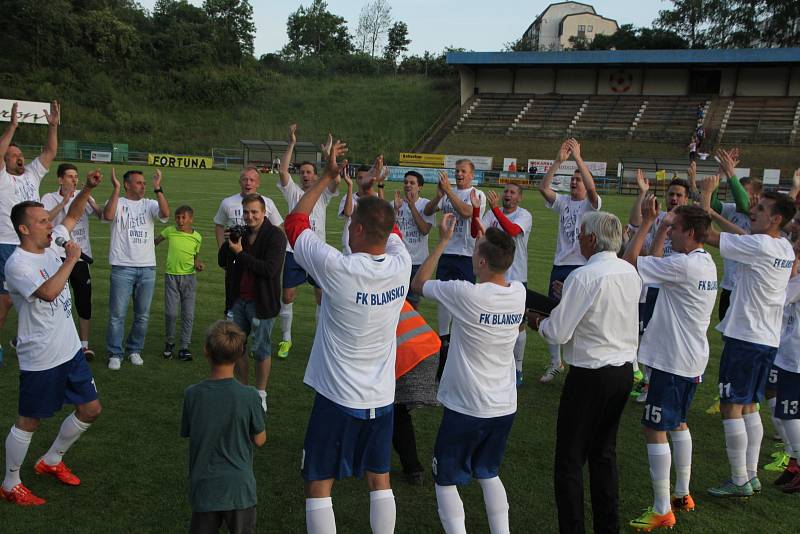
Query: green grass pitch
x,y
133,463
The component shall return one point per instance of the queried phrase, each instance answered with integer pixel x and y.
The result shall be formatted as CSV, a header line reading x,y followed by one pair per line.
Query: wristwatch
x,y
159,190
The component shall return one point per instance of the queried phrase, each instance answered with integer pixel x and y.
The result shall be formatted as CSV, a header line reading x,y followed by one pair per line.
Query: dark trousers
x,y
724,302
592,402
237,521
404,441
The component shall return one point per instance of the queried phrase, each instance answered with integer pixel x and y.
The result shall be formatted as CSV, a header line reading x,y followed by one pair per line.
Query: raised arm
x,y
461,207
326,149
51,147
707,188
795,185
78,207
635,218
53,286
657,246
425,271
433,205
728,160
283,173
423,225
586,176
8,135
307,202
110,209
545,185
691,173
163,205
648,214
347,211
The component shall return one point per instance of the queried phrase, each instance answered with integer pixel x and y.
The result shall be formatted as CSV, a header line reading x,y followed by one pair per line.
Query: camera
x,y
235,233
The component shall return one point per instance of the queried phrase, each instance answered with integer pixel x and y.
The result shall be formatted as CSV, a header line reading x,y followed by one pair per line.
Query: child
x,y
179,282
223,419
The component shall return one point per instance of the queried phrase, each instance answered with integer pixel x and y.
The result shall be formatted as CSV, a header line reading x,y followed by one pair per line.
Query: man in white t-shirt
x,y
516,222
370,182
751,328
132,256
19,182
675,348
229,212
57,203
53,369
570,208
352,362
456,262
409,210
293,274
477,388
596,321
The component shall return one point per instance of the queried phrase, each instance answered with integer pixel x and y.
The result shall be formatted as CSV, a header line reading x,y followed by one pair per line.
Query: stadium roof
x,y
732,57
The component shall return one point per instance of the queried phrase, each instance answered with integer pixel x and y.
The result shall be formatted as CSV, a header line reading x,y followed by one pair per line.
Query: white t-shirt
x,y
352,360
568,250
293,193
230,211
462,243
415,241
479,378
346,228
27,185
46,335
742,220
522,218
80,232
676,339
651,237
756,308
788,357
8,199
133,233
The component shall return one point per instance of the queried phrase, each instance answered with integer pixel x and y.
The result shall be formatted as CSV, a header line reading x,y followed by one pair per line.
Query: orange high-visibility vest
x,y
415,340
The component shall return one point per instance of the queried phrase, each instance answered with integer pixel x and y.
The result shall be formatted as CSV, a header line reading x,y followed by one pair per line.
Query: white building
x,y
560,21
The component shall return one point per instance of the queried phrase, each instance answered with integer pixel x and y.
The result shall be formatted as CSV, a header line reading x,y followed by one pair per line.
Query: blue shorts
x,y
668,399
772,378
339,445
243,313
293,274
6,251
788,405
743,370
468,447
454,267
413,298
43,393
646,309
559,273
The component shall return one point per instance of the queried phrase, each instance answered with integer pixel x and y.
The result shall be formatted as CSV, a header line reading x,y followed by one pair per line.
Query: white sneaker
x,y
136,358
114,364
551,372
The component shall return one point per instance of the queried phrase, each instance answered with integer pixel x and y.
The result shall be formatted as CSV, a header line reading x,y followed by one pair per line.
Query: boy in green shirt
x,y
223,419
180,285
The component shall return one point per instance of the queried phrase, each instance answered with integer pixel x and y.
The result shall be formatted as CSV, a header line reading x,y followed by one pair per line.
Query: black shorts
x,y
81,282
237,521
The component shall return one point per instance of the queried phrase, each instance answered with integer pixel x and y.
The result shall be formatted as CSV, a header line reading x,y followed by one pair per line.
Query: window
x,y
590,28
581,28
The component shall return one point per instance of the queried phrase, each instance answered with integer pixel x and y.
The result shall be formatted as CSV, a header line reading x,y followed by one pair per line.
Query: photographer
x,y
253,258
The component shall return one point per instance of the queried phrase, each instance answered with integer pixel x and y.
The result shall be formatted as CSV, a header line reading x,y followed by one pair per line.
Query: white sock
x,y
555,355
84,344
496,501
286,321
755,434
658,456
71,430
792,429
736,447
635,364
519,349
263,395
444,316
451,509
682,460
382,511
319,516
17,444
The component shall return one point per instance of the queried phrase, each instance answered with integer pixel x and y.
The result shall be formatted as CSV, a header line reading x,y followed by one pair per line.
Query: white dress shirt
x,y
597,320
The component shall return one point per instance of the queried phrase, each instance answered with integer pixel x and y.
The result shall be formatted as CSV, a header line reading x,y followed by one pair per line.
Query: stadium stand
x,y
491,113
667,118
608,116
768,120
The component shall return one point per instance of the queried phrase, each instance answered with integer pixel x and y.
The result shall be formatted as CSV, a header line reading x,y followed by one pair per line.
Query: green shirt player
x,y
223,419
180,286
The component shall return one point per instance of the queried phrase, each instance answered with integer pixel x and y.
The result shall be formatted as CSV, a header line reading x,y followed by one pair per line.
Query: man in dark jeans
x,y
254,263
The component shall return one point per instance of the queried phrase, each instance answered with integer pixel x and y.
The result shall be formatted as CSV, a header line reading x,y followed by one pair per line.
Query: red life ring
x,y
620,81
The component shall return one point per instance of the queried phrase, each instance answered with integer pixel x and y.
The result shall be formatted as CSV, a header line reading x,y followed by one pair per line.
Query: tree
x,y
398,42
179,34
523,44
233,29
374,23
630,38
689,19
316,31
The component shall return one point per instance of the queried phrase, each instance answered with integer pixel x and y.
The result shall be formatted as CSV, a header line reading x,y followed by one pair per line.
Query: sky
x,y
478,25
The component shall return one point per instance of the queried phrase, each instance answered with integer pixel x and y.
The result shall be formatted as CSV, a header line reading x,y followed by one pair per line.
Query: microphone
x,y
60,241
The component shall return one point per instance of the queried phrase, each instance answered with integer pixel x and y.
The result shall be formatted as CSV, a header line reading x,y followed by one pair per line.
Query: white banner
x,y
510,164
541,166
482,163
28,112
104,157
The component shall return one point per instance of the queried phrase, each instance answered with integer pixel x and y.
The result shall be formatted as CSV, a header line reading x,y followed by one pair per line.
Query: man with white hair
x,y
597,322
